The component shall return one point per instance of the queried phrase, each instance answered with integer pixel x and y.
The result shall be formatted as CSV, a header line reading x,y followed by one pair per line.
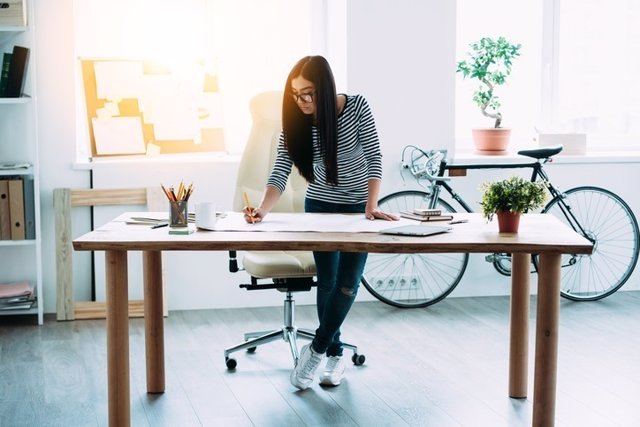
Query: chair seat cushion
x,y
279,264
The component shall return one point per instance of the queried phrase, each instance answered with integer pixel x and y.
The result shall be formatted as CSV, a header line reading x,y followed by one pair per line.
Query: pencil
x,y
166,192
246,201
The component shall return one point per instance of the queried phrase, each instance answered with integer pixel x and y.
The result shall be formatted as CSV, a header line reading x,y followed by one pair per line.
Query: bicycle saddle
x,y
542,153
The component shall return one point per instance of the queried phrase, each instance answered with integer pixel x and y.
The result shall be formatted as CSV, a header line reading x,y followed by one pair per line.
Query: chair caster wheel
x,y
358,359
251,349
231,363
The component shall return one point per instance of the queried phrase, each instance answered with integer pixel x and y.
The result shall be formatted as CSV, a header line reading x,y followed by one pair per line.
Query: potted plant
x,y
490,61
509,198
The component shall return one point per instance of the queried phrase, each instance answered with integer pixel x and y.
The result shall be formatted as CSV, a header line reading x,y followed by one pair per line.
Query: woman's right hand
x,y
253,215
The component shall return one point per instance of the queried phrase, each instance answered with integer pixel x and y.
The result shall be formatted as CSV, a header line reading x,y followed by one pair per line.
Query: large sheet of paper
x,y
276,221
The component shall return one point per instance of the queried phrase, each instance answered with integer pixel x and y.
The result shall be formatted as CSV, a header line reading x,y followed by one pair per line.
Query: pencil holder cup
x,y
178,213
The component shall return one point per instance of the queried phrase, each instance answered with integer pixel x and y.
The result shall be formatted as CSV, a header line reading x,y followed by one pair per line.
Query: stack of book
x,y
13,72
424,215
16,296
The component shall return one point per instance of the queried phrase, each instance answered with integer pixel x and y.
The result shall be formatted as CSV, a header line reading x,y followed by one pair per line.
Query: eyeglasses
x,y
304,97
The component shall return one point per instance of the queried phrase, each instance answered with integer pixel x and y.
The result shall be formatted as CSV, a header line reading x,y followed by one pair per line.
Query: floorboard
x,y
442,366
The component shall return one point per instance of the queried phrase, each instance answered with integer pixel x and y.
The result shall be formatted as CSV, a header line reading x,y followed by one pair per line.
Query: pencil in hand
x,y
246,202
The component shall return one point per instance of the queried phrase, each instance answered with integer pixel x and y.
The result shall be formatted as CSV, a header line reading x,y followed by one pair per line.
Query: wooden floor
x,y
441,366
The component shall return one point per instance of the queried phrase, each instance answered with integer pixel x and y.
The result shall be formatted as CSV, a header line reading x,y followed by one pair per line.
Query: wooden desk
x,y
539,234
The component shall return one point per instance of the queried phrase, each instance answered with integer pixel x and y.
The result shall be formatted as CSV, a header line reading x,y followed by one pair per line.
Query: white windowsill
x,y
631,156
458,157
214,157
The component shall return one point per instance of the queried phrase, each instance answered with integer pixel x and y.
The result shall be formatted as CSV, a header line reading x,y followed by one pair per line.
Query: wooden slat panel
x,y
64,254
99,197
64,199
85,310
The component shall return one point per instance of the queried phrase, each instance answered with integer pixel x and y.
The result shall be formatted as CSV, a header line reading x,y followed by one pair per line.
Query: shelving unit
x,y
21,260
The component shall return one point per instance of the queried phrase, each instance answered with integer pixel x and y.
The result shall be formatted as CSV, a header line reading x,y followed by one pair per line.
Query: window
x,y
248,46
576,72
593,87
519,22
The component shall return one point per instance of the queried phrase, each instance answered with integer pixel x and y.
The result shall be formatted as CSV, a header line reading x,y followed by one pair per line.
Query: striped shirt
x,y
359,158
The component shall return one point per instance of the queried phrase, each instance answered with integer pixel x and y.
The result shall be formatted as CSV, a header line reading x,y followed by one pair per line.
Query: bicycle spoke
x,y
412,280
610,224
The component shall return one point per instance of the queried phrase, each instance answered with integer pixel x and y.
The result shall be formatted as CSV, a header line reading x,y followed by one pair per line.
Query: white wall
x,y
56,127
400,56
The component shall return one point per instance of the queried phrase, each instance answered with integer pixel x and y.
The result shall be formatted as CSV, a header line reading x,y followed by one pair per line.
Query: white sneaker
x,y
308,362
334,371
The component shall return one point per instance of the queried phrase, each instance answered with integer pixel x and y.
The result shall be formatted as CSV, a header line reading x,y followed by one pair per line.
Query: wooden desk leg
x,y
153,321
547,325
519,332
118,338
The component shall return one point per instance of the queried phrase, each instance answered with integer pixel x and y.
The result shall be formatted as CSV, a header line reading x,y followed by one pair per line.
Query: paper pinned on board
x,y
118,135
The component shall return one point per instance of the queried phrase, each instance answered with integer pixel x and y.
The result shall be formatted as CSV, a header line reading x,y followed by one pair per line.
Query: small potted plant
x,y
489,61
509,198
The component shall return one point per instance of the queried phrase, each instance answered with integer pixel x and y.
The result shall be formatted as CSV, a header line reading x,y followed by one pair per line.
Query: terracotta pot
x,y
508,222
492,140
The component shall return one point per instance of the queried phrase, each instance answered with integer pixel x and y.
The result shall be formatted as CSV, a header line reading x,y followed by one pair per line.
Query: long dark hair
x,y
296,125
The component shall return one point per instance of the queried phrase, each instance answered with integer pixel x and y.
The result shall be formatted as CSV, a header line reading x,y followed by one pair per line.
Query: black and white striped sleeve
x,y
281,167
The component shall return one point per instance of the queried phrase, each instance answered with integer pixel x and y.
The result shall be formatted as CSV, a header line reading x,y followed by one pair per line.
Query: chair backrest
x,y
259,156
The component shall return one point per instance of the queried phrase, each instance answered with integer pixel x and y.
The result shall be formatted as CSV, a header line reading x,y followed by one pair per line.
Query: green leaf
x,y
514,194
490,62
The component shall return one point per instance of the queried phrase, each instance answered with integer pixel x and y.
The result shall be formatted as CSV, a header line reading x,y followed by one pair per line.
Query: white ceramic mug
x,y
206,215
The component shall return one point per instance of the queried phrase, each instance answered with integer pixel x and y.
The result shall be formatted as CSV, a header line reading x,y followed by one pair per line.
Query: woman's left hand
x,y
377,213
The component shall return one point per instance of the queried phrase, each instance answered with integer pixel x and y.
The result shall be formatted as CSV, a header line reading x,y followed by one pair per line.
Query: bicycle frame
x,y
413,280
537,172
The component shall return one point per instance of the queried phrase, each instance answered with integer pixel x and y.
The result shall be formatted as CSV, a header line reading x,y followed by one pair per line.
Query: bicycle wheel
x,y
412,280
610,224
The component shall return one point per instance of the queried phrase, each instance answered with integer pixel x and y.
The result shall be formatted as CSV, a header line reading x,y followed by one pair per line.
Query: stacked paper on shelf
x,y
16,296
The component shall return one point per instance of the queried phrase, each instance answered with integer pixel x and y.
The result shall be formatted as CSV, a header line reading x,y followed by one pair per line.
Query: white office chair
x,y
290,271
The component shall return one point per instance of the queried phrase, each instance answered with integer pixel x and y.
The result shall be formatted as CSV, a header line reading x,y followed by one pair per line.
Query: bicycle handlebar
x,y
430,168
427,169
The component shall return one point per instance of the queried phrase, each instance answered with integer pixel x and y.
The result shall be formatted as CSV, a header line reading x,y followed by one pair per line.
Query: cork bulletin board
x,y
147,107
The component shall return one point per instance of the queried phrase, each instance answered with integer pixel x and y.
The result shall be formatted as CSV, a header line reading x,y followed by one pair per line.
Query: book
x,y
427,211
29,207
15,166
15,289
17,72
426,218
4,73
182,230
16,209
16,296
17,306
5,219
16,299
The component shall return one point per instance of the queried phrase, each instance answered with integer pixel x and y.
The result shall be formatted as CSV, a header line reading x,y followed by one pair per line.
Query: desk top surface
x,y
539,233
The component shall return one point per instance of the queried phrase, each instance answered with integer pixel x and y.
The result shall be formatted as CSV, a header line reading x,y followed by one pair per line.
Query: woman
x,y
332,141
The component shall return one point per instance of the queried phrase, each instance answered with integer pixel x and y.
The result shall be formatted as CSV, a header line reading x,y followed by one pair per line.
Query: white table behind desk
x,y
540,234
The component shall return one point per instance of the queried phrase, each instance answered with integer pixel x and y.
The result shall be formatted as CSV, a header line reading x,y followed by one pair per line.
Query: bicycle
x,y
420,280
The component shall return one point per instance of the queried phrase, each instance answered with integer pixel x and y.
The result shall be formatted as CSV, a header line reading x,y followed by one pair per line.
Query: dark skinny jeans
x,y
338,277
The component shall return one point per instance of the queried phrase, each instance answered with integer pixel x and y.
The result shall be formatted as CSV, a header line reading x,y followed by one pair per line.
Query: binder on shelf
x,y
13,12
4,72
5,219
17,72
16,209
29,207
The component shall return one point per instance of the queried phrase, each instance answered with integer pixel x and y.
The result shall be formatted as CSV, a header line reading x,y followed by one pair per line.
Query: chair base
x,y
289,333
